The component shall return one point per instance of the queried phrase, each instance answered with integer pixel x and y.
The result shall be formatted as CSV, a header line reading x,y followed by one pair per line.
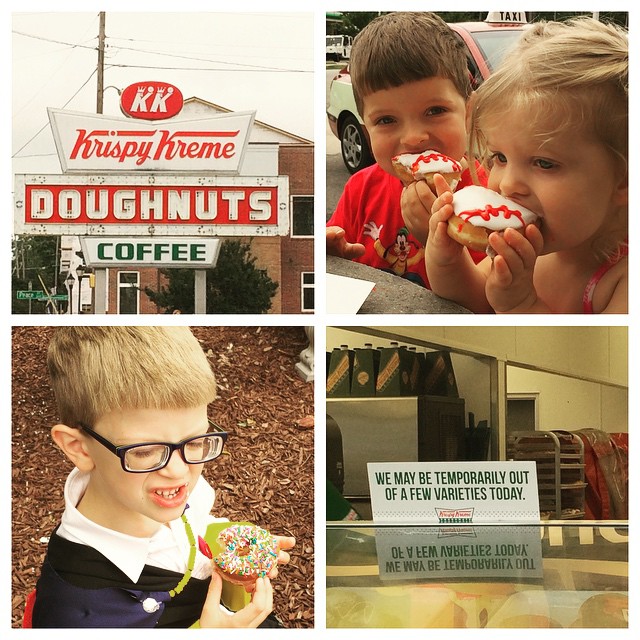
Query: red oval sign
x,y
151,100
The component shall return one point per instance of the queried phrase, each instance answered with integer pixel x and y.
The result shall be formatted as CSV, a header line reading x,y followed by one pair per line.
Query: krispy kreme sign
x,y
171,205
93,142
151,100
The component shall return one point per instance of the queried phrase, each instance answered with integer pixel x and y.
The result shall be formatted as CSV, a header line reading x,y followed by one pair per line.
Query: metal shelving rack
x,y
559,458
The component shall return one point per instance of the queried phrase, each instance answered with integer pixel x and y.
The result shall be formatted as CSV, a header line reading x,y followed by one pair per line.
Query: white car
x,y
486,44
338,47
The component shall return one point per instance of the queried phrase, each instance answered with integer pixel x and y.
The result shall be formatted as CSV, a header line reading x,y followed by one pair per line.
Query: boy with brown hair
x,y
412,87
130,549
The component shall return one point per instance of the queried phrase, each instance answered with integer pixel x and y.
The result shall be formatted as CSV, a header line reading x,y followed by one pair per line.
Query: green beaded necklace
x,y
192,558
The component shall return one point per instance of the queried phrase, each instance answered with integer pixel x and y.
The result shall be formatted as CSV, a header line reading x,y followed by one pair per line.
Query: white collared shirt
x,y
168,548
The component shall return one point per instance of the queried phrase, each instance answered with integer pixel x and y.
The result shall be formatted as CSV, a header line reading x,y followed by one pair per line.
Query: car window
x,y
475,75
494,44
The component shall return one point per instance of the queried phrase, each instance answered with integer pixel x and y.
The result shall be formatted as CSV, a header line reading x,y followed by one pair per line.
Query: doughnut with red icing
x,y
478,212
410,167
249,551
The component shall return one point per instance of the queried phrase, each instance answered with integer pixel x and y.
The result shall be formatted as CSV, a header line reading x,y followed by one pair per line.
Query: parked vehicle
x,y
338,47
486,44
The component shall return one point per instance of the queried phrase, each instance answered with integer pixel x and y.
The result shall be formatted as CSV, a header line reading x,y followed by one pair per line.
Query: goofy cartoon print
x,y
398,254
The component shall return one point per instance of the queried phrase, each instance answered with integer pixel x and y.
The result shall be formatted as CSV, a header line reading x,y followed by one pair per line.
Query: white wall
x,y
570,404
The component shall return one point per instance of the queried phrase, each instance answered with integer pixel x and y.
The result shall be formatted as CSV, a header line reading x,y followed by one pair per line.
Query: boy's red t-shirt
x,y
370,207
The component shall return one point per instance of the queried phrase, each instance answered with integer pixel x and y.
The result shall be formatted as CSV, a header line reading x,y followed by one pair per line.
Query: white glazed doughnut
x,y
410,167
479,211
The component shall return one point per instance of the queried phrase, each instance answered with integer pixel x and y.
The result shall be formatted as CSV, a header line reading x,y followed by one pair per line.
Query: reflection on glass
x,y
572,575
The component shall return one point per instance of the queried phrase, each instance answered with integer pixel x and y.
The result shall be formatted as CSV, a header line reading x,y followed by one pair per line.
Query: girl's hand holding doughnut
x,y
441,249
510,287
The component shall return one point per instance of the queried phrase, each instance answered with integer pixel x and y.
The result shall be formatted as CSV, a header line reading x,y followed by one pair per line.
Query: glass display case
x,y
556,574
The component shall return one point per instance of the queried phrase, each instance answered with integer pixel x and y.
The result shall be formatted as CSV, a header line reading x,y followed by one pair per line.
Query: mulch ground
x,y
266,477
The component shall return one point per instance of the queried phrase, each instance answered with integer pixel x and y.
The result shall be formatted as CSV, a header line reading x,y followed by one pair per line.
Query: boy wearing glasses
x,y
129,550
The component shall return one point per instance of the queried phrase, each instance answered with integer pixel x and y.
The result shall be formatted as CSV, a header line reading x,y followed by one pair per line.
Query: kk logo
x,y
151,100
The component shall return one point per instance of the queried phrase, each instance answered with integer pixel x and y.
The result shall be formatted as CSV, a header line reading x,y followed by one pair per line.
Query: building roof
x,y
261,131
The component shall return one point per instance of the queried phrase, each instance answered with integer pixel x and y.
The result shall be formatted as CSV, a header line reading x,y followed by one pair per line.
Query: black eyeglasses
x,y
151,456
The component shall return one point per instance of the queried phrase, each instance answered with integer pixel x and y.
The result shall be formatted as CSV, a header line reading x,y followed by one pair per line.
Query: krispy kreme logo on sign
x,y
455,516
88,142
151,100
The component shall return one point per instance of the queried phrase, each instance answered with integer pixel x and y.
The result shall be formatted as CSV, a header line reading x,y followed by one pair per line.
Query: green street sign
x,y
40,295
31,295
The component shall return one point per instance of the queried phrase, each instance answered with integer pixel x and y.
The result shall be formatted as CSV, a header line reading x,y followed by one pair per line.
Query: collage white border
x,y
320,320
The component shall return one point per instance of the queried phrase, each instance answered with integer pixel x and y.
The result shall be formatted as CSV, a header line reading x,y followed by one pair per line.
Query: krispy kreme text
x,y
142,145
136,204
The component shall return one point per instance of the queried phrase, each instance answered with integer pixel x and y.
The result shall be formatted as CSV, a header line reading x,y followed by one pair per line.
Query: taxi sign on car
x,y
507,17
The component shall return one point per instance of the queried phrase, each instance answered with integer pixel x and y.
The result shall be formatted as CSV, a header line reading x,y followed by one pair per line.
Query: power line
x,y
38,155
259,69
117,48
44,126
245,45
73,45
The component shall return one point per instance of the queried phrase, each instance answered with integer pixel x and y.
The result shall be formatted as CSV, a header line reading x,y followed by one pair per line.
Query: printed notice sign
x,y
459,552
454,493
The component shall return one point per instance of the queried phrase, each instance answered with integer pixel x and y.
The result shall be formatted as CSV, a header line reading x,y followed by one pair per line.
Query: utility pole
x,y
100,292
101,63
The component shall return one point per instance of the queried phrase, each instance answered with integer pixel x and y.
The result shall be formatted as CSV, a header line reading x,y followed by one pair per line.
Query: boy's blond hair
x,y
402,47
95,370
569,76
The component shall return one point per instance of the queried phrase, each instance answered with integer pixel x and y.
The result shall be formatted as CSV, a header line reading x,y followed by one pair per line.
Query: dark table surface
x,y
391,293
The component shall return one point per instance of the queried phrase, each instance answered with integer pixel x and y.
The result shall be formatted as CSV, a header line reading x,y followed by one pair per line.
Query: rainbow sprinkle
x,y
249,551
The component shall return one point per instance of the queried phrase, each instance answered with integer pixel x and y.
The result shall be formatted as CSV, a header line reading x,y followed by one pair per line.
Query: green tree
x,y
234,285
355,21
619,17
34,263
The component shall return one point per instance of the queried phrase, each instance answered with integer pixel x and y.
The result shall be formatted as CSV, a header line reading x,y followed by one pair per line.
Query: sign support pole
x,y
101,291
200,291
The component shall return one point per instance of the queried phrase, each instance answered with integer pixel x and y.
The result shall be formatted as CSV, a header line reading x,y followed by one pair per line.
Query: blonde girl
x,y
551,126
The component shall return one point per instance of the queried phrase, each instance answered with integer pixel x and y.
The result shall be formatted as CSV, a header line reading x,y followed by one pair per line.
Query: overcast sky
x,y
241,61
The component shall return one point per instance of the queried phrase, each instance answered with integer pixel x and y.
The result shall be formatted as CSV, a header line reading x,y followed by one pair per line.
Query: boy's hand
x,y
285,543
416,204
441,249
337,245
510,286
251,615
